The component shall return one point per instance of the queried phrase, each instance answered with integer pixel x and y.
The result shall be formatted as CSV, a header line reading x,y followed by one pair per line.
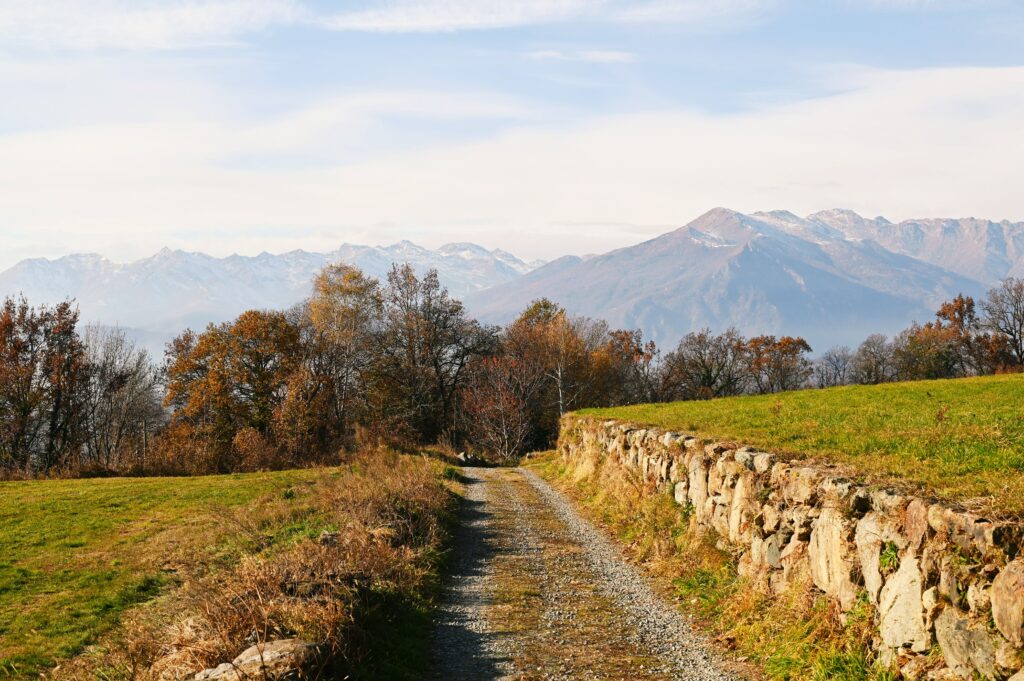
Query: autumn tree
x,y
22,390
42,378
421,351
626,369
345,315
926,352
230,378
777,364
563,348
705,365
954,344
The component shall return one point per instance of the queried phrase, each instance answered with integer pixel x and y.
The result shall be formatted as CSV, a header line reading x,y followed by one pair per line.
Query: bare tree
x,y
873,362
1004,314
834,368
123,403
496,404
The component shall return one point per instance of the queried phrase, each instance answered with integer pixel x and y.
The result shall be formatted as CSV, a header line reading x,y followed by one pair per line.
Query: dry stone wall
x,y
947,585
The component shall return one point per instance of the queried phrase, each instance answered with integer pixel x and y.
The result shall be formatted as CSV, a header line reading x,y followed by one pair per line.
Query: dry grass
x,y
349,560
75,554
795,636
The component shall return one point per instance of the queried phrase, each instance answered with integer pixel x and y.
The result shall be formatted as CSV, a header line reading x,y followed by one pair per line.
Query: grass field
x,y
77,556
958,439
75,553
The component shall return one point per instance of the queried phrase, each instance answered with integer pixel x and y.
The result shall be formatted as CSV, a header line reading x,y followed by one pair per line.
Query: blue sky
x,y
543,127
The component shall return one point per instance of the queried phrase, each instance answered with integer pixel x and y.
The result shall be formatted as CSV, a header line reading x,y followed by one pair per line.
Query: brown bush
x,y
313,560
254,453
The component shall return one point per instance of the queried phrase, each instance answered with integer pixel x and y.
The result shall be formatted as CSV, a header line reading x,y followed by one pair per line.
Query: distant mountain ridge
x,y
158,296
831,277
981,249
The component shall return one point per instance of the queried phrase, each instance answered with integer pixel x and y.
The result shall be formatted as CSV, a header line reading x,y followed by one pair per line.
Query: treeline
x,y
399,361
71,402
961,341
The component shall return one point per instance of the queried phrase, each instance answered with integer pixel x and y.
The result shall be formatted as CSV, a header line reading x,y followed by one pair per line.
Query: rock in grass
x,y
289,658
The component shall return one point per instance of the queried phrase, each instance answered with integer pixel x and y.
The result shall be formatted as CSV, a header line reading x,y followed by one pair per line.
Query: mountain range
x,y
832,277
157,297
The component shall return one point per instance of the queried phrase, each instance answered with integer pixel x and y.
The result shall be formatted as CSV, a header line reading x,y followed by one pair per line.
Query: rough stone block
x,y
831,557
1007,598
966,646
901,610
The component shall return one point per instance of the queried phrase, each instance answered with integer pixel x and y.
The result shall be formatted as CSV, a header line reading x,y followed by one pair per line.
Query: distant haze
x,y
833,277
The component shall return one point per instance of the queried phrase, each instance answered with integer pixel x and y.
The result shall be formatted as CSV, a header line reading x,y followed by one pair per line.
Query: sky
x,y
543,127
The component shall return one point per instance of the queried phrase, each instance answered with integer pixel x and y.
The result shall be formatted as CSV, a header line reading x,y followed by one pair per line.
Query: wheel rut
x,y
536,592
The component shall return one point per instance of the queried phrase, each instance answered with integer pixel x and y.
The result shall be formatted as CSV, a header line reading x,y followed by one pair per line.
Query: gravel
x,y
583,612
463,646
650,622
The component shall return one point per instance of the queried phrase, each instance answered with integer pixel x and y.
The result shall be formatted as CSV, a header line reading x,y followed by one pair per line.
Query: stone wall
x,y
947,586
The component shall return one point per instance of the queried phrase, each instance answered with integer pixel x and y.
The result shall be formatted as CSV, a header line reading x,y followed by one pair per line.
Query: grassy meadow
x,y
74,554
79,556
960,439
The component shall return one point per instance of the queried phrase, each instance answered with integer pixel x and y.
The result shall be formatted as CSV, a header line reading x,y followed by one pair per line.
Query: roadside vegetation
x,y
180,574
799,637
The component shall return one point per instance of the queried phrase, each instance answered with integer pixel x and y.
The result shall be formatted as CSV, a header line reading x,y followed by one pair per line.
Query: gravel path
x,y
463,648
538,593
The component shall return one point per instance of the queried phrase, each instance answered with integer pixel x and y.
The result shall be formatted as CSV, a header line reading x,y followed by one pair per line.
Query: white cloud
x,y
414,16
915,5
899,143
182,24
591,56
137,24
406,16
178,24
693,12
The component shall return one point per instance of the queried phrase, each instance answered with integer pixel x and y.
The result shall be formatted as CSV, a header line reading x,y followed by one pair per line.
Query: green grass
x,y
958,439
75,554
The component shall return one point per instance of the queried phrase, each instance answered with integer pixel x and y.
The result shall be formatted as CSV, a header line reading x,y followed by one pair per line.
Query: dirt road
x,y
539,593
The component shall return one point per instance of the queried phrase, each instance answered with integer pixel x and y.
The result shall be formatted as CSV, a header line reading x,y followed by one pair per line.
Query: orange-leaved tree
x,y
230,378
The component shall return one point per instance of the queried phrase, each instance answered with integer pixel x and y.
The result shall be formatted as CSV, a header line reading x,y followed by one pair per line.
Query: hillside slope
x,y
962,439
